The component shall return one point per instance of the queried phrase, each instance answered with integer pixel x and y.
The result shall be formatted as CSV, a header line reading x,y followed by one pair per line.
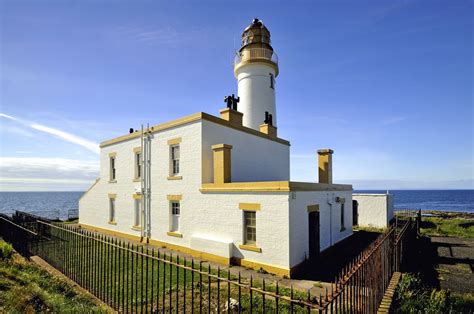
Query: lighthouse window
x,y
272,81
175,159
342,218
250,227
111,210
112,168
138,165
175,213
137,212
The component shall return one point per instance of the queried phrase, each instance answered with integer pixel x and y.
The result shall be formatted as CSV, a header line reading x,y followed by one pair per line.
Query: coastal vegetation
x,y
448,226
411,296
27,288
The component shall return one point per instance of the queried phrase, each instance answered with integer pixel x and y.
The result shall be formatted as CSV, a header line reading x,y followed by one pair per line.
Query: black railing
x,y
361,285
131,277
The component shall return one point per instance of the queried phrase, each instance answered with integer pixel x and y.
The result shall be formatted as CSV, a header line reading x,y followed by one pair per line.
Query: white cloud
x,y
58,174
156,35
68,137
47,168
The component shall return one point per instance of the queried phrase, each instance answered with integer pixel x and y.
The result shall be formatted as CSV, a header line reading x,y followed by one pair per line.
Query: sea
x,y
62,205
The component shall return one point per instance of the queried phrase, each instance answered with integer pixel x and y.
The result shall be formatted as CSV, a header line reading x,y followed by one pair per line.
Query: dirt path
x,y
455,263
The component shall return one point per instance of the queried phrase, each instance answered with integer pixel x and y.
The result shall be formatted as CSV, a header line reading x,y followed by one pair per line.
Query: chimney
x,y
267,126
325,165
222,166
268,129
233,116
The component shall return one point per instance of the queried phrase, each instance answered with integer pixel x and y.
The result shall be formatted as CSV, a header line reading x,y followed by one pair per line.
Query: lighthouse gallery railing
x,y
255,54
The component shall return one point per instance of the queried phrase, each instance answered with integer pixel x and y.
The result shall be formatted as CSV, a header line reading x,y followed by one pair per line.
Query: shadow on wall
x,y
333,259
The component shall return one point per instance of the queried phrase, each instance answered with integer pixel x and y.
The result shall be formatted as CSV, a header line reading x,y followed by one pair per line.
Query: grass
x,y
369,229
27,288
411,296
129,280
448,227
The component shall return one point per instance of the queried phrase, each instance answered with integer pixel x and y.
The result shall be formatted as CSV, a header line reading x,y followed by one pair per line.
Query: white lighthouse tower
x,y
255,68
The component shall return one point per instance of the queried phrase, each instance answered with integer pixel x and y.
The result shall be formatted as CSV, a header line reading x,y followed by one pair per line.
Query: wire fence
x,y
133,278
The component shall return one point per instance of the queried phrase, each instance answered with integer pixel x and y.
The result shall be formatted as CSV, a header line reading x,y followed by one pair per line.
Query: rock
x,y
232,305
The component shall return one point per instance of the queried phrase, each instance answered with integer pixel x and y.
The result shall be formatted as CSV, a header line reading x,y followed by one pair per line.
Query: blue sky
x,y
387,84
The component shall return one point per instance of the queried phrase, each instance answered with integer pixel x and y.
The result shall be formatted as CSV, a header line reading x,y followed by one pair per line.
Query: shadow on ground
x,y
332,260
445,262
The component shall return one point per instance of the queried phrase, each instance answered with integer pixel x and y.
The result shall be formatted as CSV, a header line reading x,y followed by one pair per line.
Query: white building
x,y
219,187
372,210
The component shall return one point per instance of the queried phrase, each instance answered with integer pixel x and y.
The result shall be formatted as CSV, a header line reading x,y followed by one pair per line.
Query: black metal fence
x,y
361,285
131,277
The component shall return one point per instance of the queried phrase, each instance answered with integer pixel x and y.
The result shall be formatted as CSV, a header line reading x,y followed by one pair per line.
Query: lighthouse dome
x,y
256,35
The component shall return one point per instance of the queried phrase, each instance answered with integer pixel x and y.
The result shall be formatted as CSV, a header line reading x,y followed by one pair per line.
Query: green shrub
x,y
6,250
412,297
437,301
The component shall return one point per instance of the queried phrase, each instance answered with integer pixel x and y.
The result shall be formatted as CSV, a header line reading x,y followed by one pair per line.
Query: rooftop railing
x,y
255,54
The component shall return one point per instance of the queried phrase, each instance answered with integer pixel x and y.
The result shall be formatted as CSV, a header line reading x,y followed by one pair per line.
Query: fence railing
x,y
361,285
131,277
255,53
20,237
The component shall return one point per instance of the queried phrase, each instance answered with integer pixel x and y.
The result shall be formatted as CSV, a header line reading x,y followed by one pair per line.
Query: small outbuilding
x,y
372,210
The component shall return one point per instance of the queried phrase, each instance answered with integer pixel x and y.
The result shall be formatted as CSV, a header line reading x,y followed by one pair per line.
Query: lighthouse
x,y
255,68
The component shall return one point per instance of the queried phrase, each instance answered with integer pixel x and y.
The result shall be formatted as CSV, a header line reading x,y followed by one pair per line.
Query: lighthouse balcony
x,y
254,55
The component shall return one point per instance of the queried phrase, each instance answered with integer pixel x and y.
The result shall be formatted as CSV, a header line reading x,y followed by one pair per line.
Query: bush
x,y
6,250
412,297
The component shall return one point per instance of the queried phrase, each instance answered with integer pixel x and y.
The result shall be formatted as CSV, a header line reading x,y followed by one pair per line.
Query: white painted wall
x,y
253,158
256,95
205,218
213,222
374,210
329,218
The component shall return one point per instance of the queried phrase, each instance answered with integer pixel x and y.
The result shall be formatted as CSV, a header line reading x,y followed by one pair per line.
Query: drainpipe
x,y
142,182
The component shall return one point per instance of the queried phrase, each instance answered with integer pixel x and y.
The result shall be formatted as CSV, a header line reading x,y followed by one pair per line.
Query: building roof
x,y
189,119
273,186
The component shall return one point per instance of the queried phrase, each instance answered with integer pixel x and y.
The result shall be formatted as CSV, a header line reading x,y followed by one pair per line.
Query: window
x,y
342,217
137,212
138,165
272,81
250,228
112,168
175,160
112,209
175,213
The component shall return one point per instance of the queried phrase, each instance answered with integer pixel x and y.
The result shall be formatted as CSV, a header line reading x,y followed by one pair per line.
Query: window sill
x,y
112,181
175,178
137,228
252,248
113,223
174,234
137,180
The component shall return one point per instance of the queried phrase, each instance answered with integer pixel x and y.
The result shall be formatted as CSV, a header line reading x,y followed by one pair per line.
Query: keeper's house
x,y
219,187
